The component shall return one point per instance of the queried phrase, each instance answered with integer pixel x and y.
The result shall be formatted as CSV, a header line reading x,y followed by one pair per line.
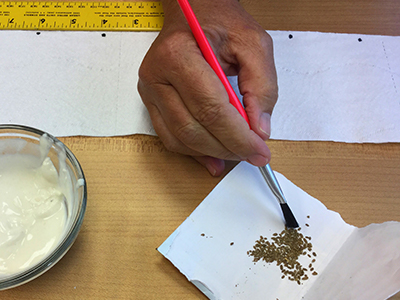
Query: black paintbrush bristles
x,y
289,217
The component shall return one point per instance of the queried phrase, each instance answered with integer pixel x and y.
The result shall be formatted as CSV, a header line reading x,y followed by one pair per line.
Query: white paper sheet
x,y
73,83
332,86
210,247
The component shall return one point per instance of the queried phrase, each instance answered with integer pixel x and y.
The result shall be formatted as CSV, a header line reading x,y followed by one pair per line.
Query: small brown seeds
x,y
285,249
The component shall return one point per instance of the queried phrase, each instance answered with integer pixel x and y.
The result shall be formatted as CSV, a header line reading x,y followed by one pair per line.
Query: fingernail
x,y
211,169
258,160
265,124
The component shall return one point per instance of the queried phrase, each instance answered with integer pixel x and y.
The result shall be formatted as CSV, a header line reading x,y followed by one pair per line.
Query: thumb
x,y
258,84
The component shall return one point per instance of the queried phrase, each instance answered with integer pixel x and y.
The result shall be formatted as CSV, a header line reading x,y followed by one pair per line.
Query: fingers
x,y
214,166
208,103
175,125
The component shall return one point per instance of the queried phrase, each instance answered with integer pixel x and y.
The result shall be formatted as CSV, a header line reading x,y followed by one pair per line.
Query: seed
x,y
285,248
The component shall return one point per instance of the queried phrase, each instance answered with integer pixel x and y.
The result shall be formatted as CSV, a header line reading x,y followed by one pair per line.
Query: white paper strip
x,y
332,86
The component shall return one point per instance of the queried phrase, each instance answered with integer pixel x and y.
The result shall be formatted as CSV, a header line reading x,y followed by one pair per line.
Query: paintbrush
x,y
211,59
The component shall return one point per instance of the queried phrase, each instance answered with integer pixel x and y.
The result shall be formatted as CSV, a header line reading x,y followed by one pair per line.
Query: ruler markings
x,y
111,16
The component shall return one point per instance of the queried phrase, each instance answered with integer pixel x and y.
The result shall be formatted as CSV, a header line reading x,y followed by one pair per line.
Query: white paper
x,y
332,86
352,263
335,87
74,83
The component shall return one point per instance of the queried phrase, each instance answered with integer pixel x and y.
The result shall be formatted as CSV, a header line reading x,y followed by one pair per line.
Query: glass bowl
x,y
27,140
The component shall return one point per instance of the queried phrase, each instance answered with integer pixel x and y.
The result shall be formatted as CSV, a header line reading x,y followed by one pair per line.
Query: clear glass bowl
x,y
75,207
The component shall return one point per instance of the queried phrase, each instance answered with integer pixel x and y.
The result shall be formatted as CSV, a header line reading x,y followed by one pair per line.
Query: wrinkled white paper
x,y
332,86
210,247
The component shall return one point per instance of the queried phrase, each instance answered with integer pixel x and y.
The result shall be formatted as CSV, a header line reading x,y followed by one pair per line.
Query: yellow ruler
x,y
94,16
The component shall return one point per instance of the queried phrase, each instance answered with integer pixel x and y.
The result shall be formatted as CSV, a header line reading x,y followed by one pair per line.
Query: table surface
x,y
139,193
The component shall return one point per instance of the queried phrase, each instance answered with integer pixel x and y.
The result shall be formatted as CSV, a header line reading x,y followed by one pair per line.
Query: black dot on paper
x,y
360,39
290,36
38,33
103,35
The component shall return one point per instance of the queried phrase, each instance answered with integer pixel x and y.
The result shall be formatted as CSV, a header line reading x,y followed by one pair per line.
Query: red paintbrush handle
x,y
209,55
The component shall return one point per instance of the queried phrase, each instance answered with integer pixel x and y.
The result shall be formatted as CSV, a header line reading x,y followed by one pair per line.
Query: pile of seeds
x,y
285,249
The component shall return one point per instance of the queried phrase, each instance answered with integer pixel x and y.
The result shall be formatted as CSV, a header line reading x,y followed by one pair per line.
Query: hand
x,y
188,104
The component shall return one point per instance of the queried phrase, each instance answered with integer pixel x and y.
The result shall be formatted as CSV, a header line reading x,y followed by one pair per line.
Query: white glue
x,y
33,210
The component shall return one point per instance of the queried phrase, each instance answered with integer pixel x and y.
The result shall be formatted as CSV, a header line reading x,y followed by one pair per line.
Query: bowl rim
x,y
66,243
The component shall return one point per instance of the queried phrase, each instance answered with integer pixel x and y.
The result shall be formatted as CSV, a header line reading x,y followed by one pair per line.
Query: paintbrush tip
x,y
289,217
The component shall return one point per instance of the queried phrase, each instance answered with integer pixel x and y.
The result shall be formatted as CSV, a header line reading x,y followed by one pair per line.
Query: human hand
x,y
188,104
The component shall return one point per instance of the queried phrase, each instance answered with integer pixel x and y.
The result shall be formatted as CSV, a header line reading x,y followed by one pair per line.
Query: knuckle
x,y
259,37
209,114
170,145
227,155
269,94
143,72
273,94
145,76
187,134
141,88
265,39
